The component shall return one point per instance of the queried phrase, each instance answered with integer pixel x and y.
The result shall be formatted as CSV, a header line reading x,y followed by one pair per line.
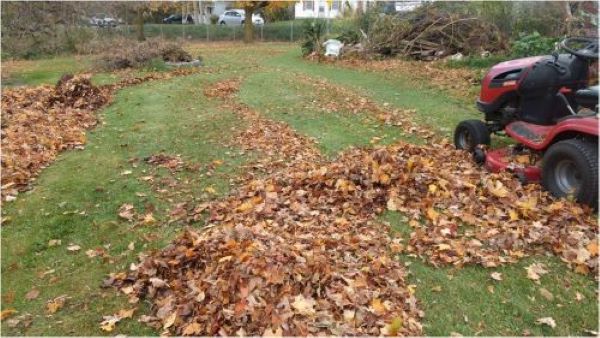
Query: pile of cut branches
x,y
429,34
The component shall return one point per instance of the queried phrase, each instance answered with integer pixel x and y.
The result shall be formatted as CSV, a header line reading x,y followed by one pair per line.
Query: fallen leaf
x,y
269,332
170,320
304,306
546,321
32,294
7,313
535,271
496,276
56,304
109,322
73,247
54,242
192,329
377,306
546,294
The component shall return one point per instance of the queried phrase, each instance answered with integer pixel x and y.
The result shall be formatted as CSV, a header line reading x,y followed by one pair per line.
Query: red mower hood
x,y
490,94
513,64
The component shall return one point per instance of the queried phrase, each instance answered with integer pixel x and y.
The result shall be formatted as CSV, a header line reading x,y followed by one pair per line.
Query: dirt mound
x,y
300,252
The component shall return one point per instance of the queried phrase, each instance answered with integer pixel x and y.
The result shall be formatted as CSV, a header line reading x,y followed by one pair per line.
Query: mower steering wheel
x,y
588,51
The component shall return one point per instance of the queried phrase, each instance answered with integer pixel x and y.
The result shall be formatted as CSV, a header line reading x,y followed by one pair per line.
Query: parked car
x,y
173,18
103,20
238,17
176,18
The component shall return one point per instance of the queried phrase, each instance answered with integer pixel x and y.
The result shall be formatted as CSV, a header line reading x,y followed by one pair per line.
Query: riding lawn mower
x,y
547,105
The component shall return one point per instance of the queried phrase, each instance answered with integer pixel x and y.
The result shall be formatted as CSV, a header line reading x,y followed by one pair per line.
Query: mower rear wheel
x,y
471,133
570,168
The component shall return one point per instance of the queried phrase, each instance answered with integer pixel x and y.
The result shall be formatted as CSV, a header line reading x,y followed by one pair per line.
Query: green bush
x,y
533,44
350,36
214,19
477,62
314,33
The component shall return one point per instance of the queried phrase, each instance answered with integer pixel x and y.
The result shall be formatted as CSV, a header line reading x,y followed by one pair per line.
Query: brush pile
x,y
429,33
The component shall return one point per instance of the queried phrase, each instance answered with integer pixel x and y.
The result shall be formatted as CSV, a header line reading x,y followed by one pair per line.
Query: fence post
x,y
261,32
292,31
207,39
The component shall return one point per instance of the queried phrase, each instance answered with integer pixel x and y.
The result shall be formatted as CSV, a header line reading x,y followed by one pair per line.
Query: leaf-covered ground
x,y
169,152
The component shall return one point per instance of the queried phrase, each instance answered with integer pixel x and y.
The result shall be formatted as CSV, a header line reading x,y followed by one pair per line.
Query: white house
x,y
322,8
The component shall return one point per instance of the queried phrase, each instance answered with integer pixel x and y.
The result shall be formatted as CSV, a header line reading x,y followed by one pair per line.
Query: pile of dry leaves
x,y
223,89
459,82
276,141
341,99
38,123
300,252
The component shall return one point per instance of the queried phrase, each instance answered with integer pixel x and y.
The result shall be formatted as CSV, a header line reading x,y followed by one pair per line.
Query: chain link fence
x,y
291,31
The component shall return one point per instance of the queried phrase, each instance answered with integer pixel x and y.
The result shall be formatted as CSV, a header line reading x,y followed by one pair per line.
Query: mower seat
x,y
587,97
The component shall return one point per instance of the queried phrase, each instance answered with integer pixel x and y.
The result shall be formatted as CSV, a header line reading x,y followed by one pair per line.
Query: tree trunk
x,y
139,22
196,14
248,25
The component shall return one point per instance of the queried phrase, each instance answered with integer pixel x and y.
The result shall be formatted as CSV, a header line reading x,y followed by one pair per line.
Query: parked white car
x,y
238,17
102,20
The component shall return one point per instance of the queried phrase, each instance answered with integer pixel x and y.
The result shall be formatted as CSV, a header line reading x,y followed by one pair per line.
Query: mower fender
x,y
541,137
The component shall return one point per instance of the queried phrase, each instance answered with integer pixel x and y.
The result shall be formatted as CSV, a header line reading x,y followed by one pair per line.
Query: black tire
x,y
470,133
222,23
570,168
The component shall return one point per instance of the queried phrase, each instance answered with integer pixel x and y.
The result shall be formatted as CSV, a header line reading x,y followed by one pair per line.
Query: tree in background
x,y
251,7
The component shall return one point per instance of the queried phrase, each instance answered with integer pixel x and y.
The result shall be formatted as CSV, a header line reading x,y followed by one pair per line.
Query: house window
x,y
336,4
321,9
308,5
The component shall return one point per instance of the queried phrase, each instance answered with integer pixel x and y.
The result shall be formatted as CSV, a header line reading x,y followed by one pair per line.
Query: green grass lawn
x,y
77,198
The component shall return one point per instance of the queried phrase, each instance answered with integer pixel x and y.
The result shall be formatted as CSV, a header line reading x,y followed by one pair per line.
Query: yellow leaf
x,y
273,333
523,159
192,329
245,206
529,204
384,178
377,306
7,313
593,248
125,313
109,323
210,190
169,321
433,188
395,326
304,306
514,216
149,219
392,204
498,189
55,305
432,214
